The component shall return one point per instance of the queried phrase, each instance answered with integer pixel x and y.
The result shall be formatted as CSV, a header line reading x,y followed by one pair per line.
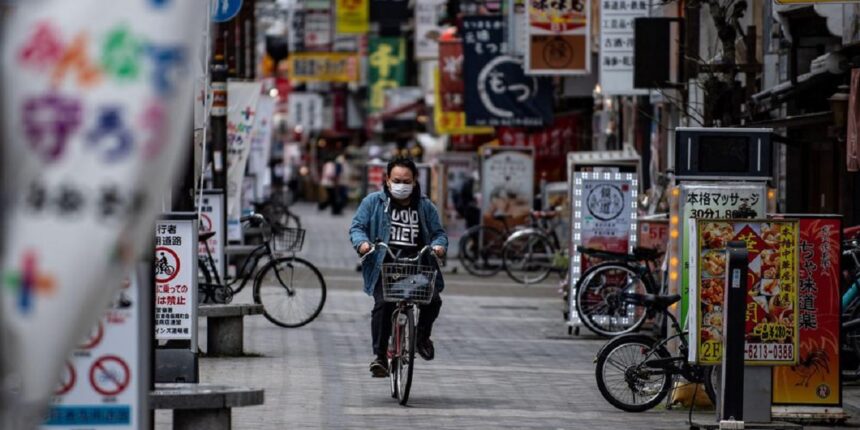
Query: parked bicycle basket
x,y
412,282
288,239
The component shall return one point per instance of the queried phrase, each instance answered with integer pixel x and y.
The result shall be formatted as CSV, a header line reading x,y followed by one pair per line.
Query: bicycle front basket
x,y
413,282
288,239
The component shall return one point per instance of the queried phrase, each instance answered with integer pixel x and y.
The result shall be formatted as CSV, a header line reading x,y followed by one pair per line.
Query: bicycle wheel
x,y
623,378
528,259
599,300
481,250
291,290
406,354
852,336
713,382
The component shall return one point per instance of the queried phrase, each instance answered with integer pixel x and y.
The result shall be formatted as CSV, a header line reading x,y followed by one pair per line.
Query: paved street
x,y
504,360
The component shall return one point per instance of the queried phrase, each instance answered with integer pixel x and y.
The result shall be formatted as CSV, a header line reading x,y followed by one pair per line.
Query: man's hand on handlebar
x,y
364,248
439,251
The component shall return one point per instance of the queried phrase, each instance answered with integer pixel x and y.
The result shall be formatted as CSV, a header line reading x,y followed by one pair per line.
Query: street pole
x,y
734,324
218,129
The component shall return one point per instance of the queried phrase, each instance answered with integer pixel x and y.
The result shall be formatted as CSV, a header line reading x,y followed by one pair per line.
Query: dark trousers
x,y
380,319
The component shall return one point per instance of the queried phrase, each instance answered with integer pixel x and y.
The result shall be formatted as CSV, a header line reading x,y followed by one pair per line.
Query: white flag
x,y
242,98
96,108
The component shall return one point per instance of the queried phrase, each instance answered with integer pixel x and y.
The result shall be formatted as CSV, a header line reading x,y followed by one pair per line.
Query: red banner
x,y
551,144
815,380
451,86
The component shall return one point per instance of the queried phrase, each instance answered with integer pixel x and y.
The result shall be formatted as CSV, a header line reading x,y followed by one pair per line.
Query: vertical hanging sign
x,y
427,30
387,68
558,37
352,16
616,46
241,116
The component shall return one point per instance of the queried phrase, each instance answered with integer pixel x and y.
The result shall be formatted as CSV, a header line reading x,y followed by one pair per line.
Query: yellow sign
x,y
339,67
772,290
452,122
352,16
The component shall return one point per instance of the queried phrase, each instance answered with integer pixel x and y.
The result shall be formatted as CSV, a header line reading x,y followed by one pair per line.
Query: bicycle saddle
x,y
203,237
646,253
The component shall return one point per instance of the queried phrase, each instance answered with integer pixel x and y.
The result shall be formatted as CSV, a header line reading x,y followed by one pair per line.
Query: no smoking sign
x,y
110,375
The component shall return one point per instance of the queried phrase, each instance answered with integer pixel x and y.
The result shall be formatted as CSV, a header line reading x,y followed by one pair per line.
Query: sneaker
x,y
424,347
379,368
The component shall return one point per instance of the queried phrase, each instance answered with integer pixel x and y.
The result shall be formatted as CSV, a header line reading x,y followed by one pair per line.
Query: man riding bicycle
x,y
405,220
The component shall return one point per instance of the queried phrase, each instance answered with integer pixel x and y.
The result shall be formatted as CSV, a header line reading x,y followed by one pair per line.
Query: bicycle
x,y
292,290
480,250
407,282
530,254
599,301
851,305
645,368
279,212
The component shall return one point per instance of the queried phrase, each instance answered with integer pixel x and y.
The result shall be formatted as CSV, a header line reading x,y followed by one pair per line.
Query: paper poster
x,y
816,379
653,234
709,201
617,43
340,67
353,16
387,68
497,91
507,185
318,29
175,278
427,30
558,37
241,117
772,285
212,220
95,129
306,111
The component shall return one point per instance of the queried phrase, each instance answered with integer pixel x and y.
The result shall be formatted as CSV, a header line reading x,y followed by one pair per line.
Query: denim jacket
x,y
371,222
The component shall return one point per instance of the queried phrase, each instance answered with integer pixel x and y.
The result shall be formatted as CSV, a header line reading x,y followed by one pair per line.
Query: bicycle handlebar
x,y
408,260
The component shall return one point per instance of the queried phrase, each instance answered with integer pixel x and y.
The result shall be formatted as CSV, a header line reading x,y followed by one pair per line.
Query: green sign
x,y
386,68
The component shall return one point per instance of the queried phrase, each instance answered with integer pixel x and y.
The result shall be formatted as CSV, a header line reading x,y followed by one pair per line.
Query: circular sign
x,y
67,381
166,264
94,337
557,53
225,10
205,224
605,202
502,83
109,375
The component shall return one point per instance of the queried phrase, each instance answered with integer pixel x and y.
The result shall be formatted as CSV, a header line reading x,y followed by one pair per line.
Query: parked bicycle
x,y
599,292
276,210
480,250
291,289
851,304
530,254
635,372
407,282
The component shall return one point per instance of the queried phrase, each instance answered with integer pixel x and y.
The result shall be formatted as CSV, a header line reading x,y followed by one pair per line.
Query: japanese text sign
x,y
452,122
353,16
103,383
427,30
243,98
558,37
96,101
175,279
815,380
772,287
212,220
338,67
386,68
497,91
617,45
708,201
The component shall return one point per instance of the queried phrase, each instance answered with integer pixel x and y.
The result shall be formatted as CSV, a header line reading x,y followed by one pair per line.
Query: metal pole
x,y
734,321
218,127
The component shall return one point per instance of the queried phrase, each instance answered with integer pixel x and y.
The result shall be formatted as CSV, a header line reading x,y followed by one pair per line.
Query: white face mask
x,y
400,191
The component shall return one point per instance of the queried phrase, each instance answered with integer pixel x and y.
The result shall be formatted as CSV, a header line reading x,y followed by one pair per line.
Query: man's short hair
x,y
403,162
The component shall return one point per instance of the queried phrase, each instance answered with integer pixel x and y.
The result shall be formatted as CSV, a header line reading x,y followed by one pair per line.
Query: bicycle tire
x,y
311,281
479,258
405,367
203,293
587,292
633,371
713,382
528,259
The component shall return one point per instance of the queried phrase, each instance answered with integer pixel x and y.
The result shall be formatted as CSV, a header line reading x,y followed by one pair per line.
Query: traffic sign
x,y
68,379
166,264
225,10
110,375
94,337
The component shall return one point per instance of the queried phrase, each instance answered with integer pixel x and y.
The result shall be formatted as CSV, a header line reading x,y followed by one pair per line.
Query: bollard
x,y
734,321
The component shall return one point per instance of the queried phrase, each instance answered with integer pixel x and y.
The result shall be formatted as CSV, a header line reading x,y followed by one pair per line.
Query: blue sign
x,y
89,416
225,10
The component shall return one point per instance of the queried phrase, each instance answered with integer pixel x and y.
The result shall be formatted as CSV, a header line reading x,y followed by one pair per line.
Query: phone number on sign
x,y
769,351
